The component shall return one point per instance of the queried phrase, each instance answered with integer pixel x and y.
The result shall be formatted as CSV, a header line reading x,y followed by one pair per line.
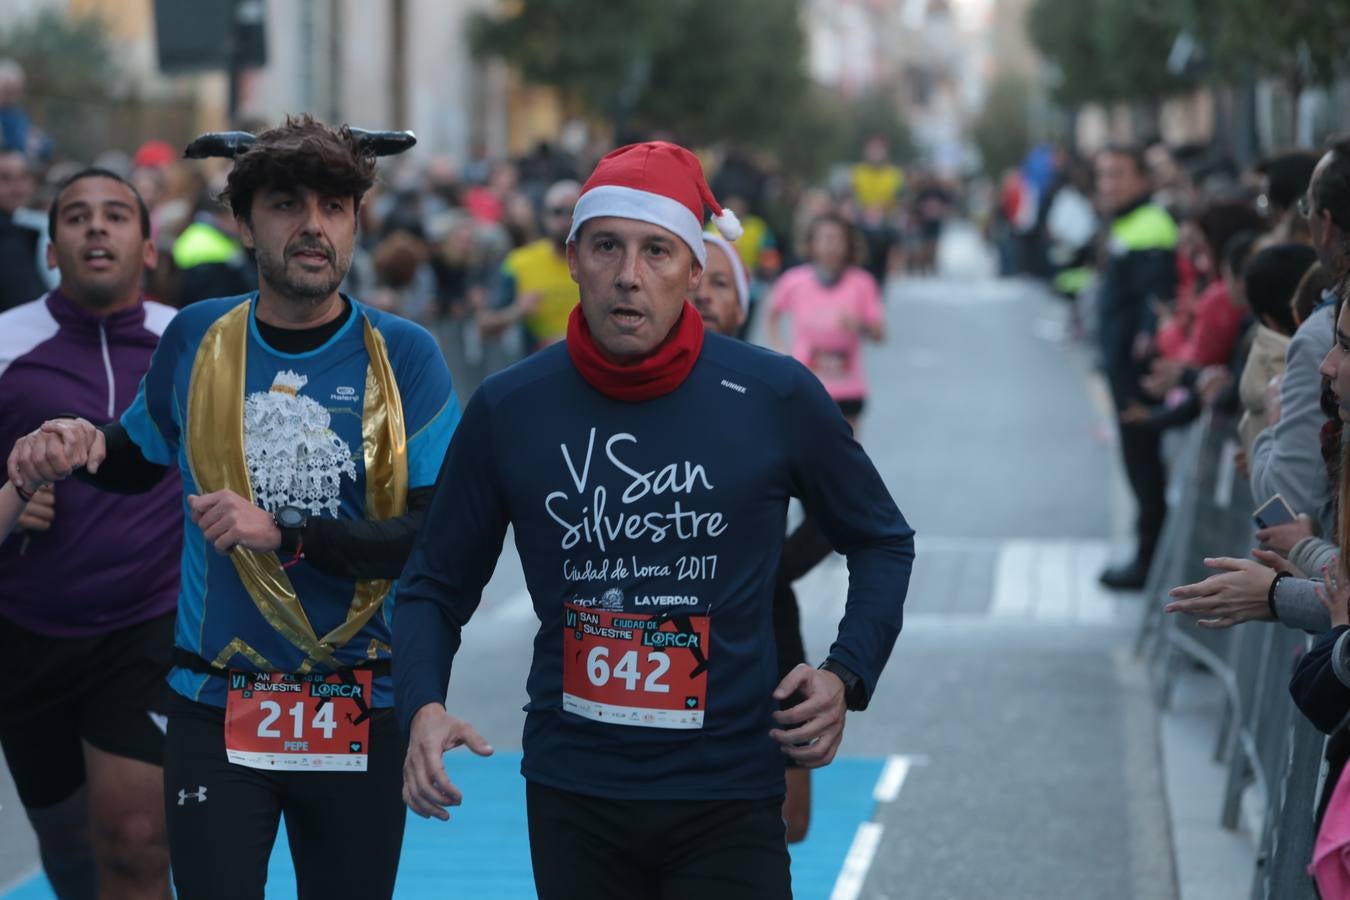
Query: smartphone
x,y
1274,511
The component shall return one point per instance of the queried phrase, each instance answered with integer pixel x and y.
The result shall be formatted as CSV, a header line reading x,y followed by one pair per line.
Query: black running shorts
x,y
108,691
603,849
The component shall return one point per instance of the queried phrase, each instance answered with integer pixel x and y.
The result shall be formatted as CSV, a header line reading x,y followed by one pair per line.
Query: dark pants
x,y
64,692
345,828
1141,448
656,849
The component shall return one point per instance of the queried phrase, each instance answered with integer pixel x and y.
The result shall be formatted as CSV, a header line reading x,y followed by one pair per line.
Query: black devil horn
x,y
383,143
226,144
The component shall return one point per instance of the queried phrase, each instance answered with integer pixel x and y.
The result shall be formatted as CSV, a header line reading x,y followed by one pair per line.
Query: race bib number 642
x,y
635,669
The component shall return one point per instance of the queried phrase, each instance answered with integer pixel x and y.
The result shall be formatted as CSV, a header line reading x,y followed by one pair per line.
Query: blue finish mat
x,y
483,851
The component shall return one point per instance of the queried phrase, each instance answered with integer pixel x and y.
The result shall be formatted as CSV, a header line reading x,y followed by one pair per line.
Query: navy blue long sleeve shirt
x,y
634,521
1320,685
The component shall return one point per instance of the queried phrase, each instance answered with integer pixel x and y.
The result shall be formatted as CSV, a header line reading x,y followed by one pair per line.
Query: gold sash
x,y
215,452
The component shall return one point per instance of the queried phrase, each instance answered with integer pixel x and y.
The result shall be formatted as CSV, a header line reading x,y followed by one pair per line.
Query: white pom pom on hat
x,y
656,182
729,225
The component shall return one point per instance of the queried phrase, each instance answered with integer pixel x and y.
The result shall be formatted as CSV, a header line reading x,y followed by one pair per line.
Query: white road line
x,y
868,836
926,543
1055,594
1095,604
892,778
859,860
1013,580
1053,580
19,880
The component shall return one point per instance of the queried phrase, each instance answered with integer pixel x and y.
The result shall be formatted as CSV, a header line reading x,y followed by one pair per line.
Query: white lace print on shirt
x,y
293,457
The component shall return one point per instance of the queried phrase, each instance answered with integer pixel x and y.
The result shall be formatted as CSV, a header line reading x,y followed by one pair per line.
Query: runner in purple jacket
x,y
89,581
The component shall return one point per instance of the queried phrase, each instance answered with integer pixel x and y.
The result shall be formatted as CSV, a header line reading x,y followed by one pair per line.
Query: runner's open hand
x,y
819,718
227,520
427,789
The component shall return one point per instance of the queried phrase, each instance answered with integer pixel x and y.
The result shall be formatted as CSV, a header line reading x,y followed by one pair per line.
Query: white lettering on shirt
x,y
600,523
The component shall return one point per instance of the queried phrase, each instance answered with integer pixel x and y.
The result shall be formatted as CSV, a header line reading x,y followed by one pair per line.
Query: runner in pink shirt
x,y
833,305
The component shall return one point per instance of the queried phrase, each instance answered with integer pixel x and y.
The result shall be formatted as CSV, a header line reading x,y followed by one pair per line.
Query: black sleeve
x,y
802,551
1163,417
453,559
1153,276
1317,691
125,470
787,630
363,548
1230,400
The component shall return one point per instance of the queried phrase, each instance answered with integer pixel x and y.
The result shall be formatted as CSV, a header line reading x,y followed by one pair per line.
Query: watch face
x,y
290,517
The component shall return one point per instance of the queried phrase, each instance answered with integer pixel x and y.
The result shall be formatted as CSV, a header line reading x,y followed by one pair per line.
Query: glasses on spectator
x,y
1305,207
559,211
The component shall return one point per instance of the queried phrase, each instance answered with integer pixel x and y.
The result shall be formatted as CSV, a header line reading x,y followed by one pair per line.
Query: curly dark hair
x,y
302,151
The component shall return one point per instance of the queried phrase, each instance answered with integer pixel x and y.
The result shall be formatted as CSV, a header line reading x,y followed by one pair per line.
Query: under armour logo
x,y
199,795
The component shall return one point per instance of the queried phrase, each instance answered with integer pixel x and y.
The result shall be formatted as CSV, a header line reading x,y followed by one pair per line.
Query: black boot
x,y
1130,576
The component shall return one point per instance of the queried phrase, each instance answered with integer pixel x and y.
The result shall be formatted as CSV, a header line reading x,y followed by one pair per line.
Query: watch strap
x,y
853,686
291,538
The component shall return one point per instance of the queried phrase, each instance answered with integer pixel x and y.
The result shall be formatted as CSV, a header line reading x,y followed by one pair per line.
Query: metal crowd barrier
x,y
1272,753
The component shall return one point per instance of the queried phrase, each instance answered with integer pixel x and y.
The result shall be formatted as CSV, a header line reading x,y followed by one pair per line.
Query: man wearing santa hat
x,y
645,468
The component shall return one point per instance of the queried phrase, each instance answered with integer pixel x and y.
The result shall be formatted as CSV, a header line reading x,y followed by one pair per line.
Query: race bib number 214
x,y
313,723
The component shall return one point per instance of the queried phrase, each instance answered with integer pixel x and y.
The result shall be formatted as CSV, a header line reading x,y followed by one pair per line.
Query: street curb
x,y
1212,863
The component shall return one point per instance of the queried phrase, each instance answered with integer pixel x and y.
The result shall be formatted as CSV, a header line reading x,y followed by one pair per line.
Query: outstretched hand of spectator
x,y
1238,593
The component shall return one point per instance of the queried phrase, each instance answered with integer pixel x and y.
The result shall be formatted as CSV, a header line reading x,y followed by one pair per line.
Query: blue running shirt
x,y
303,445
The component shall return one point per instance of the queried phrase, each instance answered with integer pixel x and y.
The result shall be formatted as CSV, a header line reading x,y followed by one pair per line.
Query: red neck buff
x,y
656,374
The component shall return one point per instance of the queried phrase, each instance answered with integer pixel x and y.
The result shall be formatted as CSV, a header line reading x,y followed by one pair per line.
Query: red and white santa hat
x,y
738,272
656,182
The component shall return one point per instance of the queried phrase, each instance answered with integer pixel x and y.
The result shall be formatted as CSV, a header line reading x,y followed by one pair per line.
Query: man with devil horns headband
x,y
646,467
308,429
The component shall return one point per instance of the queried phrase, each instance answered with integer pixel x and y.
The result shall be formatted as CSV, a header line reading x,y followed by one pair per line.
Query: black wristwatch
x,y
290,521
853,687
